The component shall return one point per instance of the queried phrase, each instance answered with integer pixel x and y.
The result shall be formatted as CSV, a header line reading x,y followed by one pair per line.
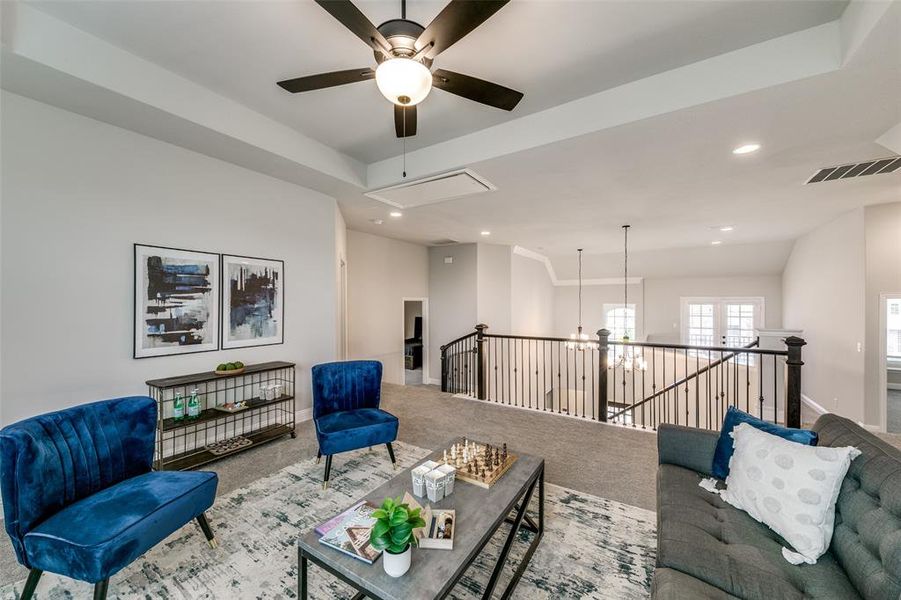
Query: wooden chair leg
x,y
207,530
391,454
31,583
328,471
100,589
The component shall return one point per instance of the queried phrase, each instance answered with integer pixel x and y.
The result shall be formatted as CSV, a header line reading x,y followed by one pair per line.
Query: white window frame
x,y
613,306
719,313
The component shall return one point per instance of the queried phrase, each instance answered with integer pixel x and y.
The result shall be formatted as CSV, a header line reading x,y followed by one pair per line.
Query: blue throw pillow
x,y
734,417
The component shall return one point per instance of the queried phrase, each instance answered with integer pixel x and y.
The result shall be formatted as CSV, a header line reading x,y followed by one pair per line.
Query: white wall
x,y
493,301
662,297
883,271
453,294
77,194
381,272
594,297
532,297
823,295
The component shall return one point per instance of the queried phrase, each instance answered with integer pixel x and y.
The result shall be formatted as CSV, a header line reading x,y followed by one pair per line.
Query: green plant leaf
x,y
379,529
379,543
400,516
417,522
401,533
397,548
415,512
379,514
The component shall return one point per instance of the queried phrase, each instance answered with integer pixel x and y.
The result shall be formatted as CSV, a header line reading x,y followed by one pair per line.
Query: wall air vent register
x,y
863,169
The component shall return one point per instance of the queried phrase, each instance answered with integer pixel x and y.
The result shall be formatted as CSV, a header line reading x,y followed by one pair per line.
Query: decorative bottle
x,y
193,405
178,407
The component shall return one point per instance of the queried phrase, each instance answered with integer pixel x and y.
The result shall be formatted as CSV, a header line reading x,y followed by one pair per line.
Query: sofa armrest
x,y
686,447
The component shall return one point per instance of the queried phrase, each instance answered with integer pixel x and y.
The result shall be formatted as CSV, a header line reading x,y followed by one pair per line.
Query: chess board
x,y
473,465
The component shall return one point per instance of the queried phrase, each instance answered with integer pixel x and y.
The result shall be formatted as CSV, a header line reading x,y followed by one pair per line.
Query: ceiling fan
x,y
404,51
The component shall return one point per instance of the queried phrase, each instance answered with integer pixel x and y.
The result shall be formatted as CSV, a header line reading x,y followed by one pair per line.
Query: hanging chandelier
x,y
628,360
579,340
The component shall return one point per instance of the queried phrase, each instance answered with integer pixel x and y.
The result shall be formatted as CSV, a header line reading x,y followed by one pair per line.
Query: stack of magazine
x,y
349,532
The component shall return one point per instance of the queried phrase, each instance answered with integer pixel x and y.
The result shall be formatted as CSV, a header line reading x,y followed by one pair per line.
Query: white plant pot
x,y
397,564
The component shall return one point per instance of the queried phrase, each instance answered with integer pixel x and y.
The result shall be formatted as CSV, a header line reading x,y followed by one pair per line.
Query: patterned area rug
x,y
592,547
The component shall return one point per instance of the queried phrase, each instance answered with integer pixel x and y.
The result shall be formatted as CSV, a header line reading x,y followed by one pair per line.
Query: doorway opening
x,y
890,367
416,366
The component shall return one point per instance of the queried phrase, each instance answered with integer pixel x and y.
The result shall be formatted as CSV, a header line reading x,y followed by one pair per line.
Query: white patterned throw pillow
x,y
789,487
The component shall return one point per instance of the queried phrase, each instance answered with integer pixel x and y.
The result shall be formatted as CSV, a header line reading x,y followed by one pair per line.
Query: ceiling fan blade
x,y
456,20
351,17
475,89
399,113
326,80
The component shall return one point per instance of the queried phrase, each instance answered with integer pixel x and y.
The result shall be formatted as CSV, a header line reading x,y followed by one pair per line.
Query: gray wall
x,y
493,264
77,194
883,269
823,295
381,272
453,298
532,297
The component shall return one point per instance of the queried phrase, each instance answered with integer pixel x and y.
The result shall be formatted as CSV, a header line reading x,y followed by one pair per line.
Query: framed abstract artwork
x,y
253,301
176,301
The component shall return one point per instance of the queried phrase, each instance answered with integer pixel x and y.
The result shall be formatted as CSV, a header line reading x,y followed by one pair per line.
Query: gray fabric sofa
x,y
706,549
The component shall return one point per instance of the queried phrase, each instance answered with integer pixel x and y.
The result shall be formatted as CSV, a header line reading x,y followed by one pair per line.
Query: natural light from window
x,y
893,329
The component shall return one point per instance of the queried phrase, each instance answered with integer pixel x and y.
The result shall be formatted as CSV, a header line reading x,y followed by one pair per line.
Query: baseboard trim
x,y
303,415
816,407
873,428
433,381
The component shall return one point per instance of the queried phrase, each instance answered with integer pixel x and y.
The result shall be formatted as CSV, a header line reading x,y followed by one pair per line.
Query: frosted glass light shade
x,y
403,81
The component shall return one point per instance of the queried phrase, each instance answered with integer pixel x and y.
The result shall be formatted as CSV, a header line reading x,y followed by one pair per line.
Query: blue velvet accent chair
x,y
346,412
80,498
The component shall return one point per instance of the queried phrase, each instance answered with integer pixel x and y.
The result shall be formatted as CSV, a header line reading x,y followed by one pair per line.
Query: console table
x,y
215,433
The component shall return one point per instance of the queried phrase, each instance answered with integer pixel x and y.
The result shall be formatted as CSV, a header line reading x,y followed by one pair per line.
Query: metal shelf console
x,y
266,389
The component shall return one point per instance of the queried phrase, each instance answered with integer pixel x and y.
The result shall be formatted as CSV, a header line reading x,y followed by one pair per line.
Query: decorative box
x,y
419,474
434,485
449,474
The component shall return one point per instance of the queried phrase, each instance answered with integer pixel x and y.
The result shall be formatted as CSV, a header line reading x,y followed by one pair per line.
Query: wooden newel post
x,y
793,365
443,368
481,363
603,347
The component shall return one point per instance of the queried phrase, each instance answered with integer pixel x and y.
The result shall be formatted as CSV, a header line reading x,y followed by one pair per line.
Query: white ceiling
x,y
664,167
554,52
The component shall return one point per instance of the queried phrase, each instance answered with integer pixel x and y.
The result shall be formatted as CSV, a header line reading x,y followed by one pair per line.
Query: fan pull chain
x,y
405,141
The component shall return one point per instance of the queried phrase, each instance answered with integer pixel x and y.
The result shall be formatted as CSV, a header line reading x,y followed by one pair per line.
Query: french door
x,y
730,322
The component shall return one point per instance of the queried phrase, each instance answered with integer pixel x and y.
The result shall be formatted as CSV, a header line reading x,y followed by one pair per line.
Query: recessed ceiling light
x,y
746,149
725,228
376,221
716,242
486,233
396,214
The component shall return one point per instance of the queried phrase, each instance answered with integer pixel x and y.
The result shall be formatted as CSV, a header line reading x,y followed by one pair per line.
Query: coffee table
x,y
433,573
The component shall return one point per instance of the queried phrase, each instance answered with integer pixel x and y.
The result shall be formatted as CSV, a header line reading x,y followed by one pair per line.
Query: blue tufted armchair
x,y
346,410
80,498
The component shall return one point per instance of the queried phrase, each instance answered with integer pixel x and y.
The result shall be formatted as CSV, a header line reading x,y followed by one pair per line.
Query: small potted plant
x,y
392,533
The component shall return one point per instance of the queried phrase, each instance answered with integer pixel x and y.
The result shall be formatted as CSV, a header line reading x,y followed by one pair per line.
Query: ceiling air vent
x,y
870,167
445,242
434,189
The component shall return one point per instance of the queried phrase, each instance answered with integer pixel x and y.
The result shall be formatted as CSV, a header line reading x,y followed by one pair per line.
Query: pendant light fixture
x,y
579,340
628,360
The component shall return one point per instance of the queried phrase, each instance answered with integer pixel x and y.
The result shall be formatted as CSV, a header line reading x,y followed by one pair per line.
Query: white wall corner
x,y
857,22
525,252
305,414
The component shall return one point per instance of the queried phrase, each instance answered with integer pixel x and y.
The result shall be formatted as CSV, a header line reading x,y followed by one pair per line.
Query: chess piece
x,y
445,457
469,468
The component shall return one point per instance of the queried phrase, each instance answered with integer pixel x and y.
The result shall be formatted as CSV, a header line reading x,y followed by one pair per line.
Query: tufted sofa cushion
x,y
867,537
701,536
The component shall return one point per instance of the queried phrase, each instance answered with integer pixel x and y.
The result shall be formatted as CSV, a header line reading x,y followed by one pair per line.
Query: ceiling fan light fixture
x,y
403,81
